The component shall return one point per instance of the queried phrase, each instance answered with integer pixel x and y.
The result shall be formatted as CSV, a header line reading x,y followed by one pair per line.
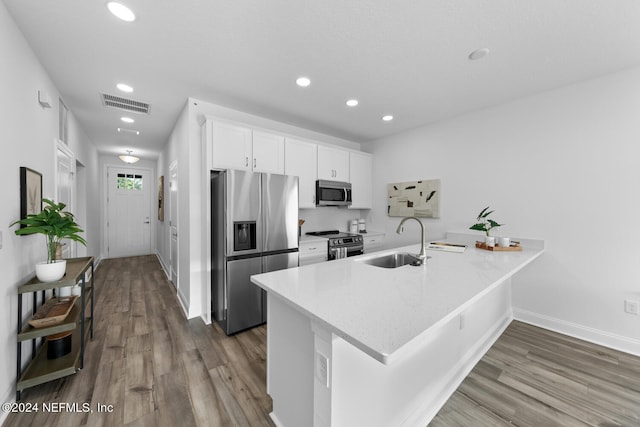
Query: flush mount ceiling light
x,y
128,158
121,11
352,102
387,118
124,87
127,119
478,54
131,131
303,81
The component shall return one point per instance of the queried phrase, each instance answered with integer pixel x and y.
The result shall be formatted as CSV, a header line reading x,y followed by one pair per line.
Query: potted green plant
x,y
486,224
56,225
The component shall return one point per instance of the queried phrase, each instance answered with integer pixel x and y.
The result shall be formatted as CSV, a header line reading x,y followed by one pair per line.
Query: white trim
x,y
183,303
596,336
163,266
71,205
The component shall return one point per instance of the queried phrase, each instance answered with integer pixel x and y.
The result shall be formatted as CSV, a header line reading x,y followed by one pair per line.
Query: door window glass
x,y
129,182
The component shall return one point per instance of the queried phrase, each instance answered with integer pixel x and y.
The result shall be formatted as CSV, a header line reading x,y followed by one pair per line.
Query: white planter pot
x,y
53,272
490,241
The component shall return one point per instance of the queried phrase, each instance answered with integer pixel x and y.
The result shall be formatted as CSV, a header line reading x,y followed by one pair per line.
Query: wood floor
x,y
157,369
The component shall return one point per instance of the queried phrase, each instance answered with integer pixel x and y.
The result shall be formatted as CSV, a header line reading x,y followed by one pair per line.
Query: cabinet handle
x,y
246,162
254,162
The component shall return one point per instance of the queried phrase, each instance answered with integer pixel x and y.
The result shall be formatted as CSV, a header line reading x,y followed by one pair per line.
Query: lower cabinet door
x,y
244,299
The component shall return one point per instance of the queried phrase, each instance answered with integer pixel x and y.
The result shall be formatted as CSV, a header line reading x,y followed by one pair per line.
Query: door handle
x,y
254,163
147,222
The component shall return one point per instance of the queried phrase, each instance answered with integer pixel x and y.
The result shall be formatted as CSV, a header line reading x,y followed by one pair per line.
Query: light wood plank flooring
x,y
158,369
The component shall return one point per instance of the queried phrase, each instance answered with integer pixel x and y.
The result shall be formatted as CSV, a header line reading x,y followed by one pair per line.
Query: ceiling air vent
x,y
124,103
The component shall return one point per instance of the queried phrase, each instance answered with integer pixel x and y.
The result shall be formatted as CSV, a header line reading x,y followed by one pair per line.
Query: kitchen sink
x,y
394,260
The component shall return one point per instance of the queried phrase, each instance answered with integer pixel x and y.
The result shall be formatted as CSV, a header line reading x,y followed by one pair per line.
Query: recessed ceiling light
x,y
121,11
478,54
125,88
387,118
352,102
303,81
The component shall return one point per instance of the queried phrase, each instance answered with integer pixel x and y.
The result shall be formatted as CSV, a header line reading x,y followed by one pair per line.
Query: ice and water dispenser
x,y
244,235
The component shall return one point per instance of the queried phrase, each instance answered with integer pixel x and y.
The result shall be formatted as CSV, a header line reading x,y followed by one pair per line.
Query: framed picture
x,y
414,198
161,198
30,192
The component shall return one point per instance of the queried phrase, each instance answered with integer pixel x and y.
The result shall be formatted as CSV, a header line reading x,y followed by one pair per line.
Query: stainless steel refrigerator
x,y
254,230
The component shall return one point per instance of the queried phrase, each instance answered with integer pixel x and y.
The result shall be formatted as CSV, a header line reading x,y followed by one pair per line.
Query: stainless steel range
x,y
341,245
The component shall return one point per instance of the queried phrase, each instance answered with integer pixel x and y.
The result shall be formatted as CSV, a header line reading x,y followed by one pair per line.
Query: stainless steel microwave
x,y
333,193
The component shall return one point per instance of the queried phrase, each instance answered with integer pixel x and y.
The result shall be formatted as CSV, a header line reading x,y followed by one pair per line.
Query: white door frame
x,y
152,201
173,217
64,149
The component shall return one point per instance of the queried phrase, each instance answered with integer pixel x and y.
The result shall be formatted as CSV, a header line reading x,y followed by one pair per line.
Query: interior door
x,y
173,222
128,212
65,189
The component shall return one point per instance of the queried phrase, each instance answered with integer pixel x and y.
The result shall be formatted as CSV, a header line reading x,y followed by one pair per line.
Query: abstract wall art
x,y
414,198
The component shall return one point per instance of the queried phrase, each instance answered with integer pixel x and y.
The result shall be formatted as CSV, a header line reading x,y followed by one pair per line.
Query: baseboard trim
x,y
596,336
163,266
275,419
183,304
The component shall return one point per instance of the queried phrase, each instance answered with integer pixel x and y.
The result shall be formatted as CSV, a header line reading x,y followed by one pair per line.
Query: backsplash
x,y
329,218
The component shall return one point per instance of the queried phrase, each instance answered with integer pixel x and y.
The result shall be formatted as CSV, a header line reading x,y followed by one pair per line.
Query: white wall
x,y
177,150
561,166
28,139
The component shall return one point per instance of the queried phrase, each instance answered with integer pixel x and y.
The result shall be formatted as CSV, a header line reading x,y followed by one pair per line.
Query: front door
x,y
128,212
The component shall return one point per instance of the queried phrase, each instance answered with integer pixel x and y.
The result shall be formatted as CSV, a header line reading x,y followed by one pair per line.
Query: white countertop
x,y
305,238
386,312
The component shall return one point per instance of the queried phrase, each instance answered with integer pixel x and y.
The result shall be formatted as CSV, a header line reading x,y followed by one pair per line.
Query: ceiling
x,y
405,58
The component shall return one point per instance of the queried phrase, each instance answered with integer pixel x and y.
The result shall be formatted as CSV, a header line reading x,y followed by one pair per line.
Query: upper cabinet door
x,y
333,164
268,152
361,176
231,146
301,160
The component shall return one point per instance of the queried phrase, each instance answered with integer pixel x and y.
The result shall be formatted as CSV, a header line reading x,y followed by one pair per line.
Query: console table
x,y
41,369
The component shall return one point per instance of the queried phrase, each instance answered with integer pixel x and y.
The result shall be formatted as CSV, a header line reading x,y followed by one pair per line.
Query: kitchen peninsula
x,y
350,343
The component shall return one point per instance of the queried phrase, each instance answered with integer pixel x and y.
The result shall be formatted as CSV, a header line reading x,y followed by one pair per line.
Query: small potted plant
x,y
486,224
56,225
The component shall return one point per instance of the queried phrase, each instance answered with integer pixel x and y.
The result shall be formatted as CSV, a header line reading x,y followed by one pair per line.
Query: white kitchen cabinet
x,y
312,251
268,152
231,146
360,177
333,164
300,159
238,147
372,241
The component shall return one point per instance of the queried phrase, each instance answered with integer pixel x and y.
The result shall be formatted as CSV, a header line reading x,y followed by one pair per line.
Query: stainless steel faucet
x,y
422,256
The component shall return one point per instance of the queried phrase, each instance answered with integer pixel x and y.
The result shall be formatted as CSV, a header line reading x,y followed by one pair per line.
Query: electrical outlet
x,y
322,369
631,307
